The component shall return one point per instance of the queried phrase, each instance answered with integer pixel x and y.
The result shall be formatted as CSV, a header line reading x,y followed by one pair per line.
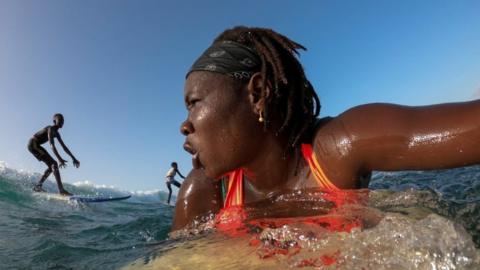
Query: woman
x,y
252,111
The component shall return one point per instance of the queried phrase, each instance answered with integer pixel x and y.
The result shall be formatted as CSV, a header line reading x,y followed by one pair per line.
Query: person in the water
x,y
170,179
49,133
252,114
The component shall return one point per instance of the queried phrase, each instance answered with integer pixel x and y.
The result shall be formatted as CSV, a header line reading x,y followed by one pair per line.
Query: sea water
x,y
38,231
424,220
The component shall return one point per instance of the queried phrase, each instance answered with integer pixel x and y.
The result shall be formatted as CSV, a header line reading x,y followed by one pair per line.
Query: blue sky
x,y
116,69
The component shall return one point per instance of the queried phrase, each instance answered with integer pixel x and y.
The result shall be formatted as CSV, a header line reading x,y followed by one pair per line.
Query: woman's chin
x,y
214,173
211,174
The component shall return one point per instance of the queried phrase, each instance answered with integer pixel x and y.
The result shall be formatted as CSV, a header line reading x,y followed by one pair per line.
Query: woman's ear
x,y
256,94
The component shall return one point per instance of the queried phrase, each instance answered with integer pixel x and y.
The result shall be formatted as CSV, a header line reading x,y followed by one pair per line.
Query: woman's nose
x,y
186,128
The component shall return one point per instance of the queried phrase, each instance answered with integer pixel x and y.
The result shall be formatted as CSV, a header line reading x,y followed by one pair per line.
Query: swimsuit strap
x,y
316,169
235,189
235,196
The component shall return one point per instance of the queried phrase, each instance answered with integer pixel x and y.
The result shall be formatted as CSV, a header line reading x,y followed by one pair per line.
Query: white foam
x,y
27,179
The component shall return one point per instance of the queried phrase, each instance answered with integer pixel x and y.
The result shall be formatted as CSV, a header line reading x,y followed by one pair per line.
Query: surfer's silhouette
x,y
49,133
170,179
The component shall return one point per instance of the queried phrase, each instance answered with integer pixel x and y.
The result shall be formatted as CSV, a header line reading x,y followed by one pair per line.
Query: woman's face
x,y
222,130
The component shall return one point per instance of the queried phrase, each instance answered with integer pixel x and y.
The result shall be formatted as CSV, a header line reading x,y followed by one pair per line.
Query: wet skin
x,y
218,124
222,127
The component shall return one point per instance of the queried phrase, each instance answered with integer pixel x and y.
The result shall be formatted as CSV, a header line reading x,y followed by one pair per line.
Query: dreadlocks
x,y
293,95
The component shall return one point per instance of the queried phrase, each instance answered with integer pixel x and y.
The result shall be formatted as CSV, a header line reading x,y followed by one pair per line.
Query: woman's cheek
x,y
201,113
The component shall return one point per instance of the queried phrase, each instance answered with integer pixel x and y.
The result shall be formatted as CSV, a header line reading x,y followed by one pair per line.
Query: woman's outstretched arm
x,y
392,137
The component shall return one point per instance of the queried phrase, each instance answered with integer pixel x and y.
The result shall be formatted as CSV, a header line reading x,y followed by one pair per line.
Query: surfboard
x,y
96,199
81,198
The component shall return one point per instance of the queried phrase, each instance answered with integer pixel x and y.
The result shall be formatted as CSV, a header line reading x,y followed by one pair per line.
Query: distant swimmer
x,y
170,179
49,133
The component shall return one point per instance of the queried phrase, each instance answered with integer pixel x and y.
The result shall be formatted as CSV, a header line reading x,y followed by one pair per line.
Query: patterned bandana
x,y
230,58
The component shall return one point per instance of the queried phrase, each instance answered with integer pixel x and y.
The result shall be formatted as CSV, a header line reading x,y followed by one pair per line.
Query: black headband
x,y
230,58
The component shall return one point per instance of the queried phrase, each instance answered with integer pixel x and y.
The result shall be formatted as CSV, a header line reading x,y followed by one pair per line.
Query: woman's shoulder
x,y
309,136
358,119
340,142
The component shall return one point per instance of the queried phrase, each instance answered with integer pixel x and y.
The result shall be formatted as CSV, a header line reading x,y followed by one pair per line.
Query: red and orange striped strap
x,y
235,195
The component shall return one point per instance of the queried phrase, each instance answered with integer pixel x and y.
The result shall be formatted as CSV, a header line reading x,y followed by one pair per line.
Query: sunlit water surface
x,y
413,220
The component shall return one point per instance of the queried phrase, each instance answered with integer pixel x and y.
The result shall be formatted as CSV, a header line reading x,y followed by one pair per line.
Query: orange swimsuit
x,y
231,217
235,184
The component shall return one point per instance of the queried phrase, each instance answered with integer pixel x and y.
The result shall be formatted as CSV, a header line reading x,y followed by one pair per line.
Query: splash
x,y
400,230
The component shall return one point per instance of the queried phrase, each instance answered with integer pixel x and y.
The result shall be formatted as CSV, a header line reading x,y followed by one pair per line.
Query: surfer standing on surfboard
x,y
49,133
170,179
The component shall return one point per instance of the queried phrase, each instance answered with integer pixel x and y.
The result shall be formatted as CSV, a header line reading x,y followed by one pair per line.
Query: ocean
x,y
430,220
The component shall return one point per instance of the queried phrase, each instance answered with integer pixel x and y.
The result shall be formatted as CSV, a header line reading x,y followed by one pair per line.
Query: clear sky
x,y
116,69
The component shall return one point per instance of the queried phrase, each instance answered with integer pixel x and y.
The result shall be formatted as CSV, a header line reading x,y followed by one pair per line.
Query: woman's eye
x,y
192,102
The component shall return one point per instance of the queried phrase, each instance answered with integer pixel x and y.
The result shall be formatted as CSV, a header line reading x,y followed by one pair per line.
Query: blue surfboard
x,y
95,199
